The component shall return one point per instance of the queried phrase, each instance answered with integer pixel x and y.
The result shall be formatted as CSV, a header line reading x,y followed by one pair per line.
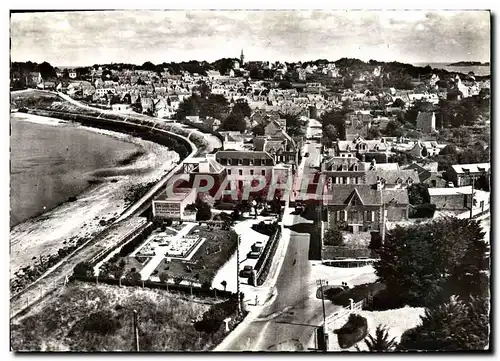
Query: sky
x,y
85,38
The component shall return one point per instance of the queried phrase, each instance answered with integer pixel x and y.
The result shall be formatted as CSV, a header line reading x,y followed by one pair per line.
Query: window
x,y
344,167
228,162
349,155
240,171
263,172
251,161
251,172
355,167
240,161
229,172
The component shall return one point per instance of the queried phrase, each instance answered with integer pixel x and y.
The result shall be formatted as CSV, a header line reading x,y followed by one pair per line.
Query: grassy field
x,y
32,98
86,317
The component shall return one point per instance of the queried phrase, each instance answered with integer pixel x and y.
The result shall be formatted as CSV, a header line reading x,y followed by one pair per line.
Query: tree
x,y
398,103
293,124
204,212
453,326
418,194
381,341
330,135
234,122
333,237
259,129
47,71
427,263
83,269
242,107
335,118
393,129
373,133
134,277
163,277
148,66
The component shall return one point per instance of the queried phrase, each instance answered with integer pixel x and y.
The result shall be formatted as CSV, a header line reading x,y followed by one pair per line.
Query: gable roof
x,y
423,173
392,176
473,168
395,196
341,194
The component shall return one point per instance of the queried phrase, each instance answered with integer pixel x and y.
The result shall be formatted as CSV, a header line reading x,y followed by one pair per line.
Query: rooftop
x,y
450,191
474,168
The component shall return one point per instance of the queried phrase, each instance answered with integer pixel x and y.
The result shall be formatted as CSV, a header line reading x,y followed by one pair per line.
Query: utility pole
x,y
320,284
383,215
238,273
136,332
323,337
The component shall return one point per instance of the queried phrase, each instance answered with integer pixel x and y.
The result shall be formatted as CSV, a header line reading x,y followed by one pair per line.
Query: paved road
x,y
286,324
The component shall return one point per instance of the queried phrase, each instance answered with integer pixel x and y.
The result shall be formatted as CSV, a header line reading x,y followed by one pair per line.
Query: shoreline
x,y
92,183
64,225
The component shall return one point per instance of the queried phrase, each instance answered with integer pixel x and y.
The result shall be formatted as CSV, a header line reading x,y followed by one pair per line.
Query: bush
x,y
204,212
425,210
83,269
163,277
357,293
353,331
214,317
265,228
101,322
333,237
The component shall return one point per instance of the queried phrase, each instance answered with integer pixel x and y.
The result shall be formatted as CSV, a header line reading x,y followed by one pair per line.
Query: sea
x,y
477,70
49,163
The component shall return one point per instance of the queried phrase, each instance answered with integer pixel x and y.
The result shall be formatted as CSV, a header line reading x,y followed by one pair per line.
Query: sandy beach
x,y
71,221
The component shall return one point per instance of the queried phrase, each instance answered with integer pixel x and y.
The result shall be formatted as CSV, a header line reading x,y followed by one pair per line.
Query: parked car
x,y
253,254
257,247
246,271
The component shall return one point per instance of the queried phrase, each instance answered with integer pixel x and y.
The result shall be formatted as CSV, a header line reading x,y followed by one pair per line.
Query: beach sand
x,y
71,221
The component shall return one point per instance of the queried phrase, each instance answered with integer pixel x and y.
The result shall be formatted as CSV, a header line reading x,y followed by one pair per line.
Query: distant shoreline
x,y
469,63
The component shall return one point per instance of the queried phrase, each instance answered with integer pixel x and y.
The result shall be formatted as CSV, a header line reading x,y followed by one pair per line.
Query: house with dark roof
x,y
392,179
364,207
361,148
464,174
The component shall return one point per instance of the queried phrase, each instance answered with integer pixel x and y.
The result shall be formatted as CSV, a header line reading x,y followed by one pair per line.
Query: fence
x,y
21,304
336,252
265,260
171,287
132,234
344,312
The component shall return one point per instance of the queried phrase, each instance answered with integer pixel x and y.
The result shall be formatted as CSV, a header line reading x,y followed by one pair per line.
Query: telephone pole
x,y
322,335
238,273
136,332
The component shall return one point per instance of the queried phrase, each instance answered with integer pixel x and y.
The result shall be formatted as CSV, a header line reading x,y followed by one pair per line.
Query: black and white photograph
x,y
276,181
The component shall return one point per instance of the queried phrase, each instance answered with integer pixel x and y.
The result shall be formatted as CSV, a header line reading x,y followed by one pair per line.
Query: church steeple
x,y
242,58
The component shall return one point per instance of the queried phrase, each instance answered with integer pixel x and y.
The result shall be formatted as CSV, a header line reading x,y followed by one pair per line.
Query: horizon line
x,y
249,61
